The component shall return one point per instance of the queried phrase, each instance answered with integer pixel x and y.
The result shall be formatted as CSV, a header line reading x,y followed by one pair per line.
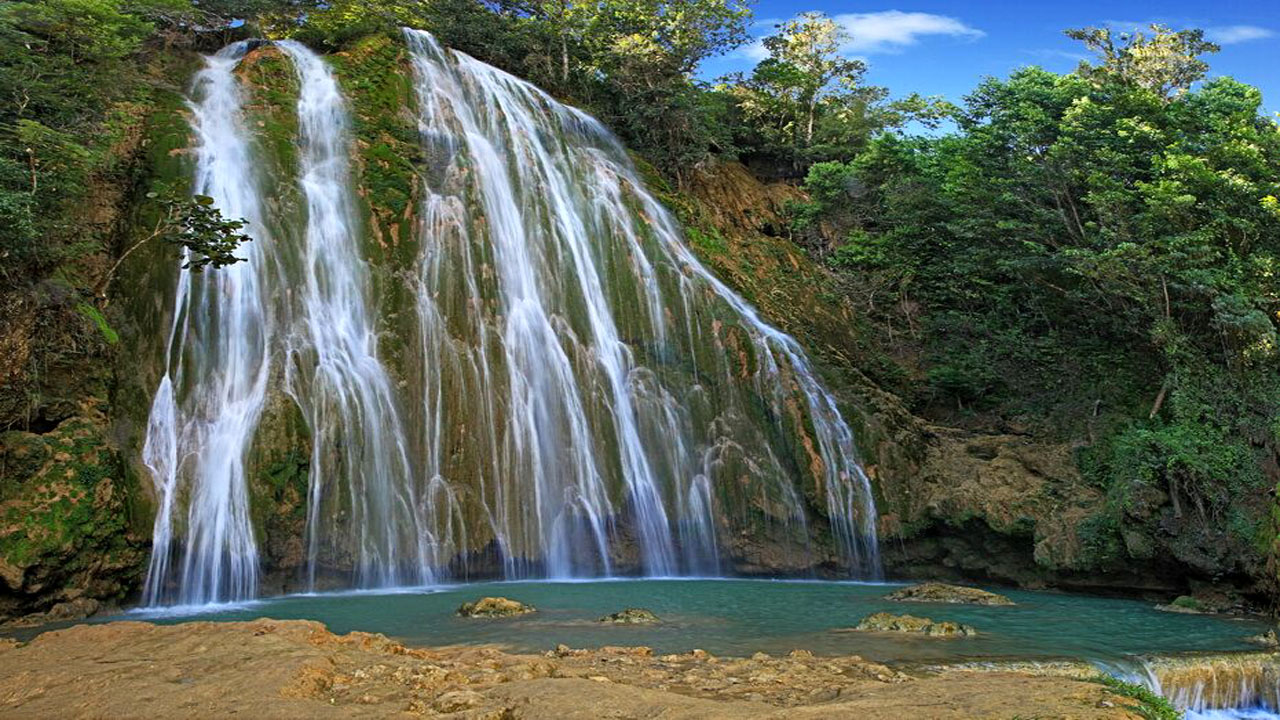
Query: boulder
x,y
942,593
494,607
1266,639
631,616
887,622
1187,605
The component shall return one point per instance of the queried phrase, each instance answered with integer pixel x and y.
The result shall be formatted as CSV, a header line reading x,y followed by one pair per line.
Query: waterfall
x,y
204,414
575,394
358,442
1240,685
566,254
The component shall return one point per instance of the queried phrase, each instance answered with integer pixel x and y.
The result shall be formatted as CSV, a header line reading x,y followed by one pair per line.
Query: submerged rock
x,y
887,622
491,607
943,593
632,616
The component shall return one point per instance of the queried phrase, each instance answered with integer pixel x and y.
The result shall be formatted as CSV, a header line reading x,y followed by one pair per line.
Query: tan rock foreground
x,y
298,669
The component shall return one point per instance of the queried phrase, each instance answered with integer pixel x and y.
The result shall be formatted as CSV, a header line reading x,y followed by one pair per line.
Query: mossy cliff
x,y
79,362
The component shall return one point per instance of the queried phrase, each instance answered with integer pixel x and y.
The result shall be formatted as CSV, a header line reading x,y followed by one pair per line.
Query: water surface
x,y
740,617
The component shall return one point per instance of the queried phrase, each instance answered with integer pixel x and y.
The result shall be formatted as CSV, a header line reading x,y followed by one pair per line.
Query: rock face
x,y
494,607
887,622
943,593
66,536
631,616
298,669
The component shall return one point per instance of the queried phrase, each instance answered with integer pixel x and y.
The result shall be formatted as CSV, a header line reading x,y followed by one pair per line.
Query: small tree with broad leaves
x,y
195,224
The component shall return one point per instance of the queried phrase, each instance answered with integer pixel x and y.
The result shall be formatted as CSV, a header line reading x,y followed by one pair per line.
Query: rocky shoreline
x,y
296,668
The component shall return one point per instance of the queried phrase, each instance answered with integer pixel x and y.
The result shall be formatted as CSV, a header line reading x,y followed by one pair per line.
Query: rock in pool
x,y
943,593
632,616
494,607
1187,605
887,622
1266,639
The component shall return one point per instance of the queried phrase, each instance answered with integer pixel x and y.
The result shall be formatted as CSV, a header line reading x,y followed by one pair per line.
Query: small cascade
x,y
206,410
1227,685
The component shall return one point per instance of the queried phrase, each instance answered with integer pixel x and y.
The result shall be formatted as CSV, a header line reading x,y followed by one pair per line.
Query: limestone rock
x,y
632,616
1266,639
77,609
942,593
887,622
495,607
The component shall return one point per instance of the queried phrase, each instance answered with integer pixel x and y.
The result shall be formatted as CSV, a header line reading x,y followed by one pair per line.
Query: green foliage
x,y
198,227
1149,705
1165,63
806,101
65,66
1095,254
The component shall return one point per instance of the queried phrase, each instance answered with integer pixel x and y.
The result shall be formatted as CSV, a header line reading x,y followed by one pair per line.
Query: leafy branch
x,y
195,225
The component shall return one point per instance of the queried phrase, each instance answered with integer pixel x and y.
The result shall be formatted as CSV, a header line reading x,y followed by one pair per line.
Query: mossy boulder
x,y
888,622
632,616
68,520
1187,605
932,592
495,607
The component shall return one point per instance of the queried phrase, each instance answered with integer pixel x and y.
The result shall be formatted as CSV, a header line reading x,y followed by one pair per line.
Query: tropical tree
x,y
1166,62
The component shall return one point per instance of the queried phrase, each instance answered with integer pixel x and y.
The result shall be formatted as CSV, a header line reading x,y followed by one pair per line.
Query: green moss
x,y
376,76
108,333
70,511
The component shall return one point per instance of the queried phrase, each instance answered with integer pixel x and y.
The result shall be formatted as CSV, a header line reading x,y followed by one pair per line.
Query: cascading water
x,y
582,396
1242,686
359,463
204,414
565,254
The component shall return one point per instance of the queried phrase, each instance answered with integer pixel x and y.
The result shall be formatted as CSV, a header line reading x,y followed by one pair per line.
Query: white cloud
x,y
1232,34
1221,34
890,31
754,50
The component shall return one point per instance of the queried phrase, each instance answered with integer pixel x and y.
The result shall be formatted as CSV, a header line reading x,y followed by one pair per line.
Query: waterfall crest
x,y
581,396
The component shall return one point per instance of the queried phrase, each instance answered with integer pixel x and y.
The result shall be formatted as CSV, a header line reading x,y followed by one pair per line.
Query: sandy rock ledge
x,y
298,669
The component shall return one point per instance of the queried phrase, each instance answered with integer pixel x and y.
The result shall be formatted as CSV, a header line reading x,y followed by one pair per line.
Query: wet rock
x,y
943,593
1266,639
887,622
77,609
632,616
494,607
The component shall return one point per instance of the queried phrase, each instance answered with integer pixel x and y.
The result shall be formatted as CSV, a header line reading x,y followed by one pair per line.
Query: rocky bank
x,y
287,669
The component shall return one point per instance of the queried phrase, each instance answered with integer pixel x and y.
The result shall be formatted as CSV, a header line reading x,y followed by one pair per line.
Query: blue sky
x,y
945,48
